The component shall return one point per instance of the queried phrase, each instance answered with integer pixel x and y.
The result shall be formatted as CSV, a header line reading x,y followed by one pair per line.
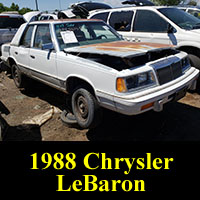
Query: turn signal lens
x,y
121,85
149,105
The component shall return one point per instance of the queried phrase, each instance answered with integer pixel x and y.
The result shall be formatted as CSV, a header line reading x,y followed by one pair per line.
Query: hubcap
x,y
82,107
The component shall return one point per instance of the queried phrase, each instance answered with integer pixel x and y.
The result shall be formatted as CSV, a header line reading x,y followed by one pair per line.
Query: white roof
x,y
11,14
28,16
131,8
56,21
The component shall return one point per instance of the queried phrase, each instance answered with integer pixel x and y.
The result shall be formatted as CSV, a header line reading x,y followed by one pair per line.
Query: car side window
x,y
121,21
102,16
148,21
42,36
195,13
26,37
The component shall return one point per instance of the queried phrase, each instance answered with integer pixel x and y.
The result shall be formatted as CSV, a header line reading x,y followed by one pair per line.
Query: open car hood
x,y
82,9
29,16
139,2
122,55
117,49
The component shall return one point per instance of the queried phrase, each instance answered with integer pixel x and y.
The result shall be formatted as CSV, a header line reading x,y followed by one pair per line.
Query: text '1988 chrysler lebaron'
x,y
89,61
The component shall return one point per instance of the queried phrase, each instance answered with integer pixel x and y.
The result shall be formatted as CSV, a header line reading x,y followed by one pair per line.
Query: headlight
x,y
135,82
185,63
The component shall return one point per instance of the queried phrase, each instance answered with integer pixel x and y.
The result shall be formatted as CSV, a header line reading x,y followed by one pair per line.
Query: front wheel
x,y
195,60
86,109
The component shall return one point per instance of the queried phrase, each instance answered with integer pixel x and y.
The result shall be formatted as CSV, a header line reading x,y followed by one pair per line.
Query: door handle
x,y
16,52
32,56
137,40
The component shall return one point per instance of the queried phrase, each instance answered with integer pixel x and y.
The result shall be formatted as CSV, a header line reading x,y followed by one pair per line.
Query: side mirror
x,y
48,46
170,28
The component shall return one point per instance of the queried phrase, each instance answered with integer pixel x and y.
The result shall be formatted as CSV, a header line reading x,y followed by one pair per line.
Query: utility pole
x,y
36,4
60,4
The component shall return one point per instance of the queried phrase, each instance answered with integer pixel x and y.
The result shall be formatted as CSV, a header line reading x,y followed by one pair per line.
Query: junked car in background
x,y
81,10
166,25
9,23
95,67
193,10
37,16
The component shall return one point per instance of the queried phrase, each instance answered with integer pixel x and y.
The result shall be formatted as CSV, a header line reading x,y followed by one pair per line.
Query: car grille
x,y
169,73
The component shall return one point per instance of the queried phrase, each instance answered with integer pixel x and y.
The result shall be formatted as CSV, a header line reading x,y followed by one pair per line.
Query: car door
x,y
121,21
43,61
21,52
150,27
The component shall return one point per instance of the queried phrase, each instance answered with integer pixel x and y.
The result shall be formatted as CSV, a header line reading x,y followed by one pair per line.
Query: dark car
x,y
81,10
9,23
139,2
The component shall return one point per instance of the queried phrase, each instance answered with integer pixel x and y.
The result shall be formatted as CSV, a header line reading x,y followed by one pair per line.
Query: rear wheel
x,y
86,109
17,76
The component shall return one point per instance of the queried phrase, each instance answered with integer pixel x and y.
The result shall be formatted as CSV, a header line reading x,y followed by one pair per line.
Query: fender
x,y
188,44
81,78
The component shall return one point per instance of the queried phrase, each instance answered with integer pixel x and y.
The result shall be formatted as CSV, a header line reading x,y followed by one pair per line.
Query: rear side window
x,y
102,16
121,21
148,21
42,36
26,37
44,18
11,22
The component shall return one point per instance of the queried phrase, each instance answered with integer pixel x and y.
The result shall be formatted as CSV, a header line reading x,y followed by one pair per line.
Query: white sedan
x,y
89,61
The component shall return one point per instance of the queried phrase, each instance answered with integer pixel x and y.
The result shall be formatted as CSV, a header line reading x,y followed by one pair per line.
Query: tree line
x,y
173,2
14,7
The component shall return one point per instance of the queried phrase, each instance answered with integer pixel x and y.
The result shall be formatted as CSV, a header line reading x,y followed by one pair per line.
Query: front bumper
x,y
156,97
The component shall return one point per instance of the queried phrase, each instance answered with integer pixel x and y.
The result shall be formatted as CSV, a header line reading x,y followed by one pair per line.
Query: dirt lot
x,y
179,121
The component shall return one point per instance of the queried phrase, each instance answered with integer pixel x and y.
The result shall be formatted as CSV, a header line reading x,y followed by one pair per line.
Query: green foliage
x,y
24,10
192,3
167,2
14,7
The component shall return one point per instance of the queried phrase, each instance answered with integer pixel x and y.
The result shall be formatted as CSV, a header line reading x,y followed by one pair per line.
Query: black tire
x,y
195,60
3,127
17,76
194,56
68,119
1,138
86,109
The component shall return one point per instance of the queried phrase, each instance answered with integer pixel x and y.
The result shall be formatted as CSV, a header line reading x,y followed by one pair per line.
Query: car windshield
x,y
71,34
11,22
181,18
